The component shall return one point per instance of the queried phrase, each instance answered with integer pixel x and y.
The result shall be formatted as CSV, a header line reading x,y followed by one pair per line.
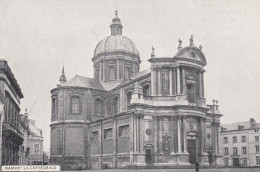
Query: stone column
x,y
141,133
179,135
184,135
138,131
172,135
117,71
100,72
183,81
178,80
131,133
115,140
104,71
159,83
202,135
160,133
155,119
217,130
152,81
170,80
174,81
135,132
202,83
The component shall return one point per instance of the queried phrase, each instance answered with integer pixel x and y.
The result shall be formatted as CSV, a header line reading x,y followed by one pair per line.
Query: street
x,y
178,170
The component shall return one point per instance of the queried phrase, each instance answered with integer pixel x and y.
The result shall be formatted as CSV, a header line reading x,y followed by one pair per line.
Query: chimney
x,y
252,121
240,127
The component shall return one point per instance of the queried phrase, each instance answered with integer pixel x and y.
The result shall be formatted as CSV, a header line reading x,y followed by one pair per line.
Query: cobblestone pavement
x,y
177,170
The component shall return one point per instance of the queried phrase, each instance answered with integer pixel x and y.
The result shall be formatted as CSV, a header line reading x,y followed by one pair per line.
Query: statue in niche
x,y
166,144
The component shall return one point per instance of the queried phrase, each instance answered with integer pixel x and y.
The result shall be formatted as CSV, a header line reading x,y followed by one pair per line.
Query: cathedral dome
x,y
114,43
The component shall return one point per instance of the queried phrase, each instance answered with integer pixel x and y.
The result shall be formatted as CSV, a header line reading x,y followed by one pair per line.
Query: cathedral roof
x,y
136,76
114,43
81,81
245,124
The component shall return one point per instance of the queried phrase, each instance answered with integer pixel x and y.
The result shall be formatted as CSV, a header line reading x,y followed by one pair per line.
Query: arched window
x,y
128,72
115,105
146,90
53,109
75,104
129,96
99,108
111,72
165,82
191,92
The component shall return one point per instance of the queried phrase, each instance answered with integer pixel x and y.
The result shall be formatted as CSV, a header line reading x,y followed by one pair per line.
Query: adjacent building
x,y
10,95
31,151
36,154
24,148
126,117
240,143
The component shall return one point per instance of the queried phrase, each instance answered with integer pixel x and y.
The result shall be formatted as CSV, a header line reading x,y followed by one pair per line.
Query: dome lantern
x,y
116,26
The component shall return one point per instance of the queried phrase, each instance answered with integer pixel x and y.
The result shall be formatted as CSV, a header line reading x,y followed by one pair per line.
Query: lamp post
x,y
214,132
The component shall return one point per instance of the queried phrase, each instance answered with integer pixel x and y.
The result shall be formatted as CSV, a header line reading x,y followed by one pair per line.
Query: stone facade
x,y
35,144
240,143
123,117
12,137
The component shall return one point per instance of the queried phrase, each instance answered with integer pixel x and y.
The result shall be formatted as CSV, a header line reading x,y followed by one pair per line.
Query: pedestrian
x,y
197,166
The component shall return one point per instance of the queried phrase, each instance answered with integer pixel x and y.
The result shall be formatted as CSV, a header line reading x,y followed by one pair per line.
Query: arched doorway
x,y
149,159
210,155
192,146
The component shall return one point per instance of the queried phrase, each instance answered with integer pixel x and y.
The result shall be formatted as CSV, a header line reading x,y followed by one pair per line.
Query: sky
x,y
37,36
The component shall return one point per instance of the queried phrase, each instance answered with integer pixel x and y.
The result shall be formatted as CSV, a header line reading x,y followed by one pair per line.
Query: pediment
x,y
193,53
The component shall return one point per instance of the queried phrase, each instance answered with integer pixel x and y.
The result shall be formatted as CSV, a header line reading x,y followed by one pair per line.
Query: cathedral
x,y
125,118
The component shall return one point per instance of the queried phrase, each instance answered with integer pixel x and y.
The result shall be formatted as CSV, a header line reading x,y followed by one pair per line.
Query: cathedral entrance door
x,y
148,156
192,151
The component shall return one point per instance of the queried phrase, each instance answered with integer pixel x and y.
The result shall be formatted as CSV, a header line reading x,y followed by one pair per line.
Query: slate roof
x,y
81,81
137,75
234,126
246,124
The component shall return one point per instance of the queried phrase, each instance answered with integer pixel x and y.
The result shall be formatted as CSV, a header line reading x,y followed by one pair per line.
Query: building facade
x,y
240,143
12,137
35,144
125,117
24,148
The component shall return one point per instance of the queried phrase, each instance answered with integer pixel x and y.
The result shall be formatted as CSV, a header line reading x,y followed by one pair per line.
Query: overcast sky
x,y
36,36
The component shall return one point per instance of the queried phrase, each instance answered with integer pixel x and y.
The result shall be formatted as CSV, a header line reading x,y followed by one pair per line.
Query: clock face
x,y
148,131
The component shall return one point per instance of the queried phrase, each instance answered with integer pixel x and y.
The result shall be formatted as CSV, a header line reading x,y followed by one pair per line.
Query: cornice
x,y
118,52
